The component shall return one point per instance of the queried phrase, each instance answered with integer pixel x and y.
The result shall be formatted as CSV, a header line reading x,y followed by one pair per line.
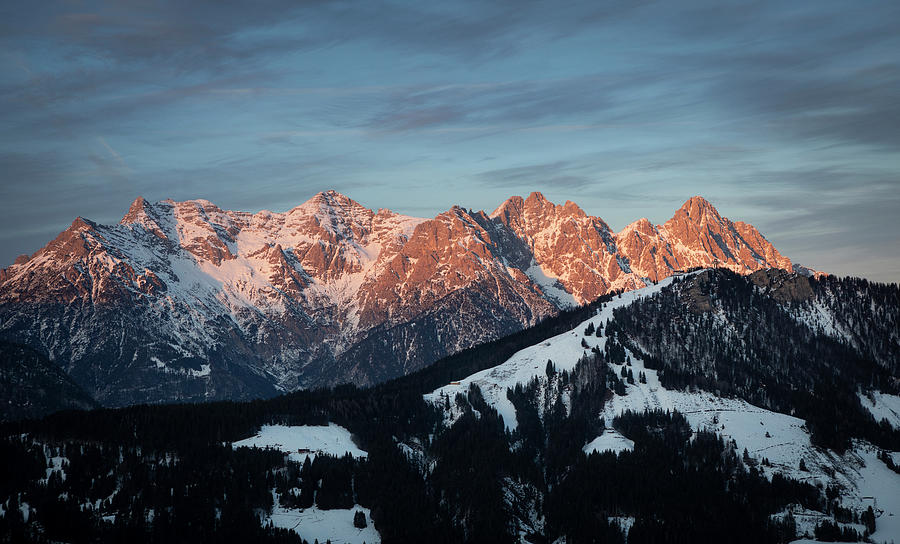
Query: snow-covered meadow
x,y
611,440
328,439
323,525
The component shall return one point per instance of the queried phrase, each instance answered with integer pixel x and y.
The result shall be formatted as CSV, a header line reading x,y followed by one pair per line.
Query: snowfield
x,y
335,525
551,286
328,439
782,440
610,440
882,406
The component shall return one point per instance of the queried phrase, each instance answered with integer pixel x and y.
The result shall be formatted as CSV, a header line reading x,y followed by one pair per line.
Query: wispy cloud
x,y
559,174
783,114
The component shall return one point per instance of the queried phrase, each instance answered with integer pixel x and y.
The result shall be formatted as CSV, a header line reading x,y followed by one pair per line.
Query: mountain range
x,y
184,301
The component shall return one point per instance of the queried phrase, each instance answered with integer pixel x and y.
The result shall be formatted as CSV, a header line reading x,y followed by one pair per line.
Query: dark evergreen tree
x,y
359,520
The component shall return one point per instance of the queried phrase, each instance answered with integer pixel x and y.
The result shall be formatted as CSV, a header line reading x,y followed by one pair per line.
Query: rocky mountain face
x,y
186,301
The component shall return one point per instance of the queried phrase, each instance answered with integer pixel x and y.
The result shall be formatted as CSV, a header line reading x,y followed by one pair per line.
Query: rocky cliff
x,y
186,301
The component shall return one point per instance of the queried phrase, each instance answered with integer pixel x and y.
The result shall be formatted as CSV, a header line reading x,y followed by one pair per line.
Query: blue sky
x,y
782,114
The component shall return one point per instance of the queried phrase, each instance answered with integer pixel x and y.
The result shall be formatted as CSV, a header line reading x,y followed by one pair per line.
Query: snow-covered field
x,y
551,286
328,439
781,439
880,487
314,524
610,440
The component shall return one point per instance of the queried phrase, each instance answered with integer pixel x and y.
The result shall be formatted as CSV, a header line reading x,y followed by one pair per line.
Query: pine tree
x,y
359,520
868,519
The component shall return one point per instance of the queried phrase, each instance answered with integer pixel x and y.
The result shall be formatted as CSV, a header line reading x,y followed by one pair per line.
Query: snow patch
x,y
204,371
610,440
819,318
882,406
625,522
551,286
304,441
57,463
335,525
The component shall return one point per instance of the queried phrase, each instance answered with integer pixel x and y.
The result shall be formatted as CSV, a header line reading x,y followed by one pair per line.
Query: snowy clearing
x,y
314,524
610,440
328,439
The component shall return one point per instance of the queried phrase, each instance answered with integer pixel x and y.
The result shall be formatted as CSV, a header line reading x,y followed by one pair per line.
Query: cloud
x,y
21,170
190,35
210,36
855,107
825,73
584,101
625,108
559,175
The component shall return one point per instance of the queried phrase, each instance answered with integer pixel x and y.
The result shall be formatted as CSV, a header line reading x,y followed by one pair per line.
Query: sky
x,y
782,114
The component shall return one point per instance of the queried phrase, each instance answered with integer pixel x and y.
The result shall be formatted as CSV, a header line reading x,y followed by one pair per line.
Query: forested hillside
x,y
777,342
452,468
32,387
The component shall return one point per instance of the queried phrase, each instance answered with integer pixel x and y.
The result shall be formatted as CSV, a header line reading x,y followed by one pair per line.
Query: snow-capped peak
x,y
293,294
